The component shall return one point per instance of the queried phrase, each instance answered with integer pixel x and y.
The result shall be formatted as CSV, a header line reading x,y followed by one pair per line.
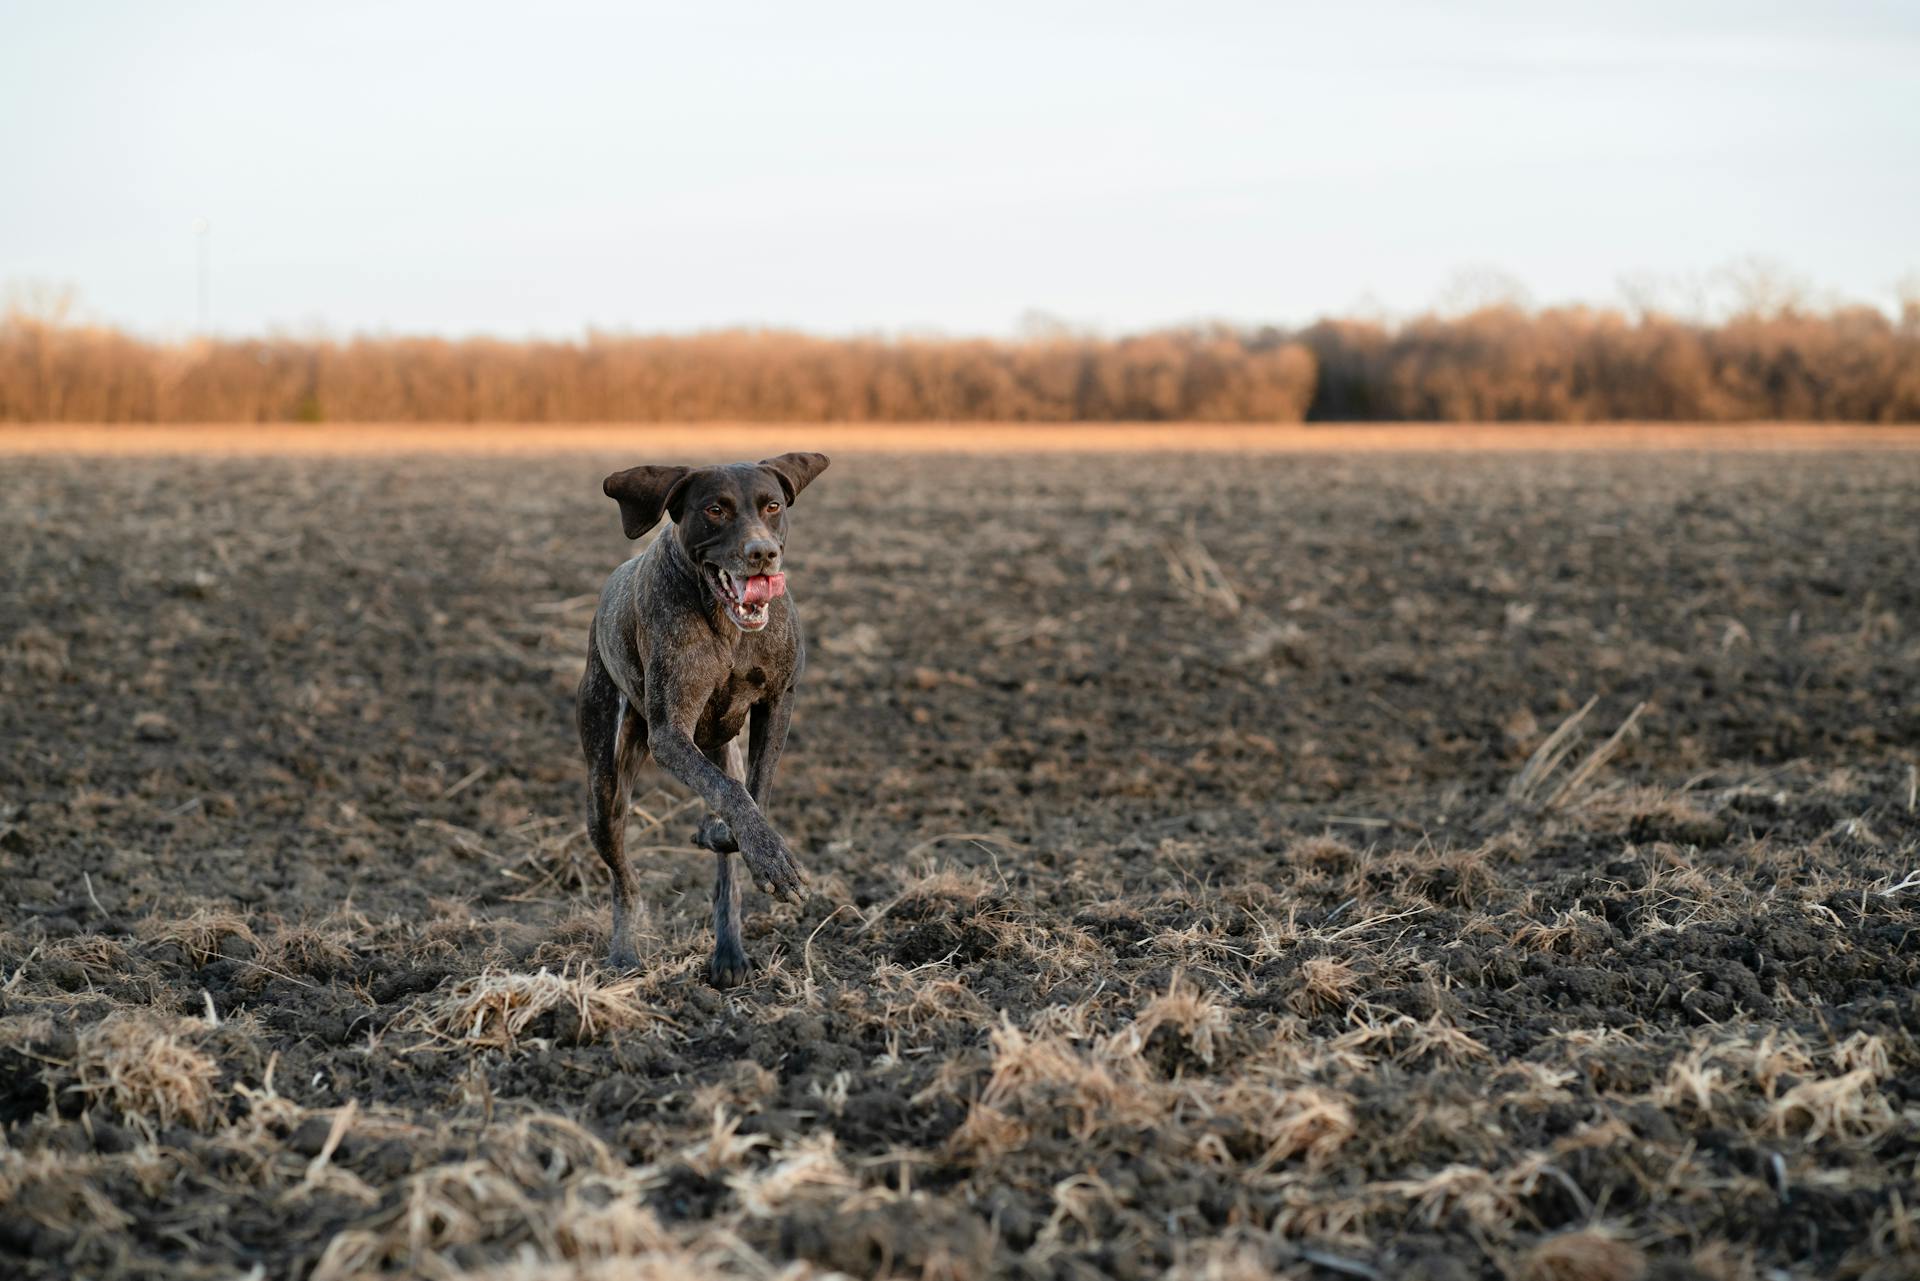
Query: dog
x,y
693,640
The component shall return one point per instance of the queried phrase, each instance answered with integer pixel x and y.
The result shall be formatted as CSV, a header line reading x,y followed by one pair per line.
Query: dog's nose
x,y
762,555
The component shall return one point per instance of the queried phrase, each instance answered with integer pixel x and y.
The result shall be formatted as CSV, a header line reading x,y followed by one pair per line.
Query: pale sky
x,y
541,168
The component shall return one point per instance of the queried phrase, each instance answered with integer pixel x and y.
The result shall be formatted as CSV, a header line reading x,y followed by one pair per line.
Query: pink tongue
x,y
764,587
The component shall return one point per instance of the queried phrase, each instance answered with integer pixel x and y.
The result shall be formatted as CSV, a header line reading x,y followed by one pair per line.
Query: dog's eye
x,y
716,511
772,508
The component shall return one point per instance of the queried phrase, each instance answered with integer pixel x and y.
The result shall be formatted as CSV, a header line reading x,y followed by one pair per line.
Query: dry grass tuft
x,y
1531,785
1327,852
747,1087
545,1183
496,1008
1224,1260
1438,1040
1574,932
201,932
1844,1106
1197,574
545,1146
808,1168
1325,984
935,886
1484,1200
1309,1122
303,951
724,1148
558,860
1526,786
1194,1016
1585,1255
1460,877
99,956
1863,1052
989,1133
1053,1074
146,1067
926,995
603,1220
562,863
1694,1083
59,1191
41,653
1718,1073
670,1262
443,1207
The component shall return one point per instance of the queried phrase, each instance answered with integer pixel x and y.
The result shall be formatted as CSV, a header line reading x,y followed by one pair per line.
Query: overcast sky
x,y
469,167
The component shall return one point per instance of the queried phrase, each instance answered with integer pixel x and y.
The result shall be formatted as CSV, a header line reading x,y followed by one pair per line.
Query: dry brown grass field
x,y
1359,858
1776,357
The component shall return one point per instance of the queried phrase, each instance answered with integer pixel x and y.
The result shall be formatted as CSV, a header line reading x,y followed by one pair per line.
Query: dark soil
x,y
1176,904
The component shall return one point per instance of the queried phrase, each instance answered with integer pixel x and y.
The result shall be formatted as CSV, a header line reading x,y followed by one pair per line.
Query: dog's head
x,y
731,520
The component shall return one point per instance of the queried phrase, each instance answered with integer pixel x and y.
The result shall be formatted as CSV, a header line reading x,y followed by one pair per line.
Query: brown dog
x,y
695,638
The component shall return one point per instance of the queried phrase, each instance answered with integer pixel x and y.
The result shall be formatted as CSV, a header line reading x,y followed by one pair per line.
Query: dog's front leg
x,y
728,967
768,860
768,729
712,834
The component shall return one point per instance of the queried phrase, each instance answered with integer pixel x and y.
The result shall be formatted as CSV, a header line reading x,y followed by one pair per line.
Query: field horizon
x,y
371,438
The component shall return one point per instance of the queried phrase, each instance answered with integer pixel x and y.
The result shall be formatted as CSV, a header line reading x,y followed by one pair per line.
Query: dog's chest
x,y
727,708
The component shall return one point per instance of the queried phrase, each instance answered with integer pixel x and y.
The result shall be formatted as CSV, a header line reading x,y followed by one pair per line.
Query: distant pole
x,y
202,236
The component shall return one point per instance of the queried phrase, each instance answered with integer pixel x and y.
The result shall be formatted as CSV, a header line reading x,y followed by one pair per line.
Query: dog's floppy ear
x,y
796,471
644,492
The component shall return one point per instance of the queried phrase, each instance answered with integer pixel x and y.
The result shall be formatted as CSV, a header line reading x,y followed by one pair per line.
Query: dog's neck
x,y
687,578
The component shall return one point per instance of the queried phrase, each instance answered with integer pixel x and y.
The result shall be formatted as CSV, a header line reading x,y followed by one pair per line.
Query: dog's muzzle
x,y
746,598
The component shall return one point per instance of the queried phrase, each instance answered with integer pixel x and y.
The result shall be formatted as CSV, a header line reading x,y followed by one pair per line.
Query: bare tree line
x,y
1577,364
1495,363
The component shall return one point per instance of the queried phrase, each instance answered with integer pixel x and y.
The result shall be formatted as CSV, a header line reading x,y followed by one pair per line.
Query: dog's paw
x,y
714,834
772,867
728,967
623,957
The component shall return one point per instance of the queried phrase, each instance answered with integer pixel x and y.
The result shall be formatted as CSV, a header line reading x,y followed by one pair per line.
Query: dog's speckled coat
x,y
671,673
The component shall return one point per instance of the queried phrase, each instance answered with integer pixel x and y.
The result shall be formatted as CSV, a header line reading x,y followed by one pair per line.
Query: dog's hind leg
x,y
615,741
729,966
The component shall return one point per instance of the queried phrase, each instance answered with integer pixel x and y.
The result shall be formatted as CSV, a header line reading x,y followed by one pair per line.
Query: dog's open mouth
x,y
746,599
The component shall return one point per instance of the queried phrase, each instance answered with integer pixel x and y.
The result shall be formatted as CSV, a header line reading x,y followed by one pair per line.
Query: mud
x,y
1184,897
